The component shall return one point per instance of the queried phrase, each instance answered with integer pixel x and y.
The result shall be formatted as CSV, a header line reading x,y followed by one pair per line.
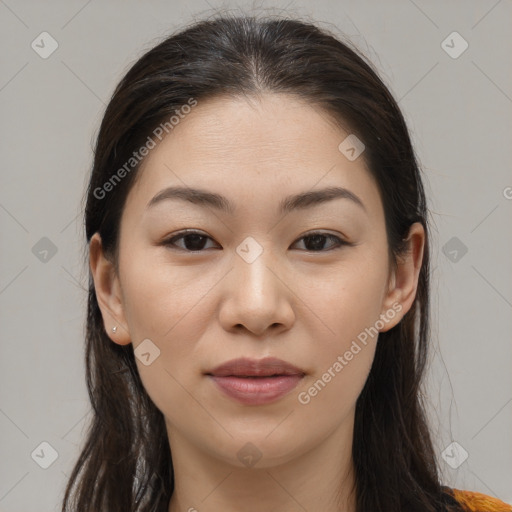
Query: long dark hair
x,y
125,464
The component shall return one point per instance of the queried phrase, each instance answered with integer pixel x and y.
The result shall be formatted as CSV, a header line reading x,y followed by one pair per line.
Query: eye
x,y
315,241
195,241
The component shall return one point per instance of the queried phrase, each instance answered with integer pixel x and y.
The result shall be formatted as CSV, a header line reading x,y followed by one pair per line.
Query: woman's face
x,y
259,284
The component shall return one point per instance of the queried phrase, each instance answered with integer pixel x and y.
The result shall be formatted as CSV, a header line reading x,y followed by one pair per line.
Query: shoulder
x,y
478,502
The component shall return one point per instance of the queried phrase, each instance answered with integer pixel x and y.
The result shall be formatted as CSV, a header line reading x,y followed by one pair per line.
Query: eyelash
x,y
170,242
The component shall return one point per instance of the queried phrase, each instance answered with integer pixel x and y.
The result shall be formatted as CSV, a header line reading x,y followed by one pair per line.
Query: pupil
x,y
196,244
318,242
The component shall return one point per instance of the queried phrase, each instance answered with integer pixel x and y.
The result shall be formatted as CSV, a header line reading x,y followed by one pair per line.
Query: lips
x,y
256,382
244,367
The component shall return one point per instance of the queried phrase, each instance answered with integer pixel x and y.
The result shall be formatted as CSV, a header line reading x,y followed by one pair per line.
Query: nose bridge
x,y
252,262
254,295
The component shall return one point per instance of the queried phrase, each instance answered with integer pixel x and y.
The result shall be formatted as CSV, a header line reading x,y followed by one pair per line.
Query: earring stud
x,y
114,329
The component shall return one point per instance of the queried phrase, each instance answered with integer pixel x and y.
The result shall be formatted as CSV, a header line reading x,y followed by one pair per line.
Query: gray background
x,y
459,113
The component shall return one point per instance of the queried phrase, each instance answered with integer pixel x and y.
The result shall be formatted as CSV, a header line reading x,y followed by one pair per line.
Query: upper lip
x,y
244,367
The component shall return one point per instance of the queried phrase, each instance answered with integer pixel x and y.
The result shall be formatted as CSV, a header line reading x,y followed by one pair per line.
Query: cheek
x,y
346,299
163,301
348,303
349,307
168,307
329,397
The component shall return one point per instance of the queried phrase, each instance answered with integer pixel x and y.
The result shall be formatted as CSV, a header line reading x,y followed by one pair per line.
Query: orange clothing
x,y
478,502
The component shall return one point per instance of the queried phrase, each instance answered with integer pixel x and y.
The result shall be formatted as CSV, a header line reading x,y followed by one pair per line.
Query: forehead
x,y
240,128
266,148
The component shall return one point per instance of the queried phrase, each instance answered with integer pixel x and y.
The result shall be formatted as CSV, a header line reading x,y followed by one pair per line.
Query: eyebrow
x,y
221,203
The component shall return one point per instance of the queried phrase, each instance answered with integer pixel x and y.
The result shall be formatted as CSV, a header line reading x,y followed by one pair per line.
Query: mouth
x,y
256,382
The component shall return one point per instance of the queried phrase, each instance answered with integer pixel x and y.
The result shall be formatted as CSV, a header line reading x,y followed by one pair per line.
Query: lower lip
x,y
257,390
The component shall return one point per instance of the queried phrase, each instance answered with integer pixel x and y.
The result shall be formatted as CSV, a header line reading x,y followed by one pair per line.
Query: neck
x,y
321,477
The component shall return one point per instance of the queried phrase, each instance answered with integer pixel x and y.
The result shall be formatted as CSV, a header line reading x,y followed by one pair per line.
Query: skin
x,y
304,306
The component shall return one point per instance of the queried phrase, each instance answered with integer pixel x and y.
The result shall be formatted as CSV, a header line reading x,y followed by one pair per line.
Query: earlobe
x,y
108,293
404,280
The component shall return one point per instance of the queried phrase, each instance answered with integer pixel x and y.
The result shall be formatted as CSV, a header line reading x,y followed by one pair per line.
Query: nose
x,y
257,296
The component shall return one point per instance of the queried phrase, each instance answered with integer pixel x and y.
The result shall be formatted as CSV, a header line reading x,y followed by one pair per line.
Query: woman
x,y
258,315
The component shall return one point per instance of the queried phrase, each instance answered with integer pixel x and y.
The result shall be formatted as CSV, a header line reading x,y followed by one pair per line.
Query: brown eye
x,y
193,241
315,242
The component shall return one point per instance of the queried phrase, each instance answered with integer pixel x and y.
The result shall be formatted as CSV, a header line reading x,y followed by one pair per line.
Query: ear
x,y
403,281
108,292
